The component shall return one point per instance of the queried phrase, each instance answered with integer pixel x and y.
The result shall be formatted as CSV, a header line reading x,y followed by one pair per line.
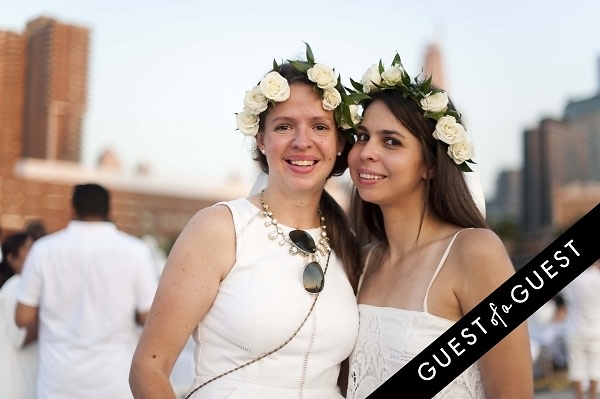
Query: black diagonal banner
x,y
501,312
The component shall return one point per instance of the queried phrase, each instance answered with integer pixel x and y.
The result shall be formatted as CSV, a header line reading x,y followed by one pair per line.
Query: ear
x,y
428,172
260,141
341,143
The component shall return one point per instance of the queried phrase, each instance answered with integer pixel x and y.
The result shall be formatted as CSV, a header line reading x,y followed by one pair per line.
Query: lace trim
x,y
374,359
306,356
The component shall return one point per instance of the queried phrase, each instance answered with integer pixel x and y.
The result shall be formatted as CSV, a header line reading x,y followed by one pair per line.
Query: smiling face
x,y
300,140
386,163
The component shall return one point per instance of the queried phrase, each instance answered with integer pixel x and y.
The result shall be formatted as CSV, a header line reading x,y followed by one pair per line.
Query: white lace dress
x,y
388,338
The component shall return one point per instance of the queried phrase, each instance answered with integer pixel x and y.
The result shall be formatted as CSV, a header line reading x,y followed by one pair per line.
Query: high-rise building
x,y
55,89
433,66
586,114
12,67
506,204
555,154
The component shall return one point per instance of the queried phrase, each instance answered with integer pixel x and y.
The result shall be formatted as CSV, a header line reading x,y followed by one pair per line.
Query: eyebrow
x,y
384,132
315,119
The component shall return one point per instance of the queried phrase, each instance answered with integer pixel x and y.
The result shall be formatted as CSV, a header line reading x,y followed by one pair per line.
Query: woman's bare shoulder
x,y
480,264
481,251
215,219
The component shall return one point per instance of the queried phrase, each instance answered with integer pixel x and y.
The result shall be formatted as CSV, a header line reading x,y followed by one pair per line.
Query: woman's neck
x,y
409,229
301,212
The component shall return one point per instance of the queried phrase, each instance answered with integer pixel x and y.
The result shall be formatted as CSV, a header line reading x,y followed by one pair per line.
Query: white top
x,y
388,338
18,364
88,280
258,307
582,297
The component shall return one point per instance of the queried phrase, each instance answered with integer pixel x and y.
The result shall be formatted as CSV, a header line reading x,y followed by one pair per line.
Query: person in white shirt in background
x,y
18,362
582,298
89,287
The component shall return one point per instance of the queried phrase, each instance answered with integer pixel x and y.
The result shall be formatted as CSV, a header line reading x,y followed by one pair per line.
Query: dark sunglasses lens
x,y
303,241
313,278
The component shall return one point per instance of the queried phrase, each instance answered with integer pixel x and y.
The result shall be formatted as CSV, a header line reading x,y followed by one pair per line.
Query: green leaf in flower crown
x,y
310,58
347,115
396,60
381,68
356,85
465,168
275,66
300,65
357,97
339,86
453,113
406,79
425,87
434,115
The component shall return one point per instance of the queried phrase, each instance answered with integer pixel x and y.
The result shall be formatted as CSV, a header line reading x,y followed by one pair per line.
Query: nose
x,y
367,151
302,137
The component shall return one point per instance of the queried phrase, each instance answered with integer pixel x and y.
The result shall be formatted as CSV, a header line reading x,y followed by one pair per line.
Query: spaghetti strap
x,y
439,267
367,259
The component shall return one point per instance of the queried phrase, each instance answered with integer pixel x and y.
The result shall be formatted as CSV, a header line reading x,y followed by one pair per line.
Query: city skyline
x,y
166,78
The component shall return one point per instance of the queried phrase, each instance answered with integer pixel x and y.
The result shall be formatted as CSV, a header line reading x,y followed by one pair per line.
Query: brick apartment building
x,y
43,97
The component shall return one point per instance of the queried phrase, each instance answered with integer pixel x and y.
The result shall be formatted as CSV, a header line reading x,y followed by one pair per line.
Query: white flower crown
x,y
434,103
275,88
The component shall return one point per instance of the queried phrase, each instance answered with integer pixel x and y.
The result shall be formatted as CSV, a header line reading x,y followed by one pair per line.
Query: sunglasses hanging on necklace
x,y
302,242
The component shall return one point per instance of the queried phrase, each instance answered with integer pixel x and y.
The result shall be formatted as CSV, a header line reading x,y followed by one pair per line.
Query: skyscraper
x,y
433,66
555,154
12,67
55,89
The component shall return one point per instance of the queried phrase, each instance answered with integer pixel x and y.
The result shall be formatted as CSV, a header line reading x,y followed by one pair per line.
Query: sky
x,y
167,77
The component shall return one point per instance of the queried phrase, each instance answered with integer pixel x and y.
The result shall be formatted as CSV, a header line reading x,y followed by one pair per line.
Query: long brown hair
x,y
447,194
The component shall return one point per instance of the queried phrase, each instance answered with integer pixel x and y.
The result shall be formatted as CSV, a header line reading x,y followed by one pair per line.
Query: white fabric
x,y
259,184
18,364
388,338
582,298
259,305
88,281
474,184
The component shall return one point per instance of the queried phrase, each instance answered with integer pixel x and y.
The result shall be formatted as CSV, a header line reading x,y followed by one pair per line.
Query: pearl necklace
x,y
322,246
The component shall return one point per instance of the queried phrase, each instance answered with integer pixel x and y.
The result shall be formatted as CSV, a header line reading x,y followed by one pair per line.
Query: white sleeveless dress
x,y
388,338
259,305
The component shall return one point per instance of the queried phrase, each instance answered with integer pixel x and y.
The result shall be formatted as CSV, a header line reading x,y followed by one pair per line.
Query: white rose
x,y
437,102
354,115
255,101
460,151
331,99
392,75
449,131
370,78
275,87
322,75
247,122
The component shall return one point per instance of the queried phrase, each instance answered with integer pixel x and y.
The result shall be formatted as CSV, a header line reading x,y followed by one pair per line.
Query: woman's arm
x,y
201,257
507,369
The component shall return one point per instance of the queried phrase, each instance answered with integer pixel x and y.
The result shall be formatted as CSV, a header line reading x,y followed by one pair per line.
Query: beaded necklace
x,y
322,246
